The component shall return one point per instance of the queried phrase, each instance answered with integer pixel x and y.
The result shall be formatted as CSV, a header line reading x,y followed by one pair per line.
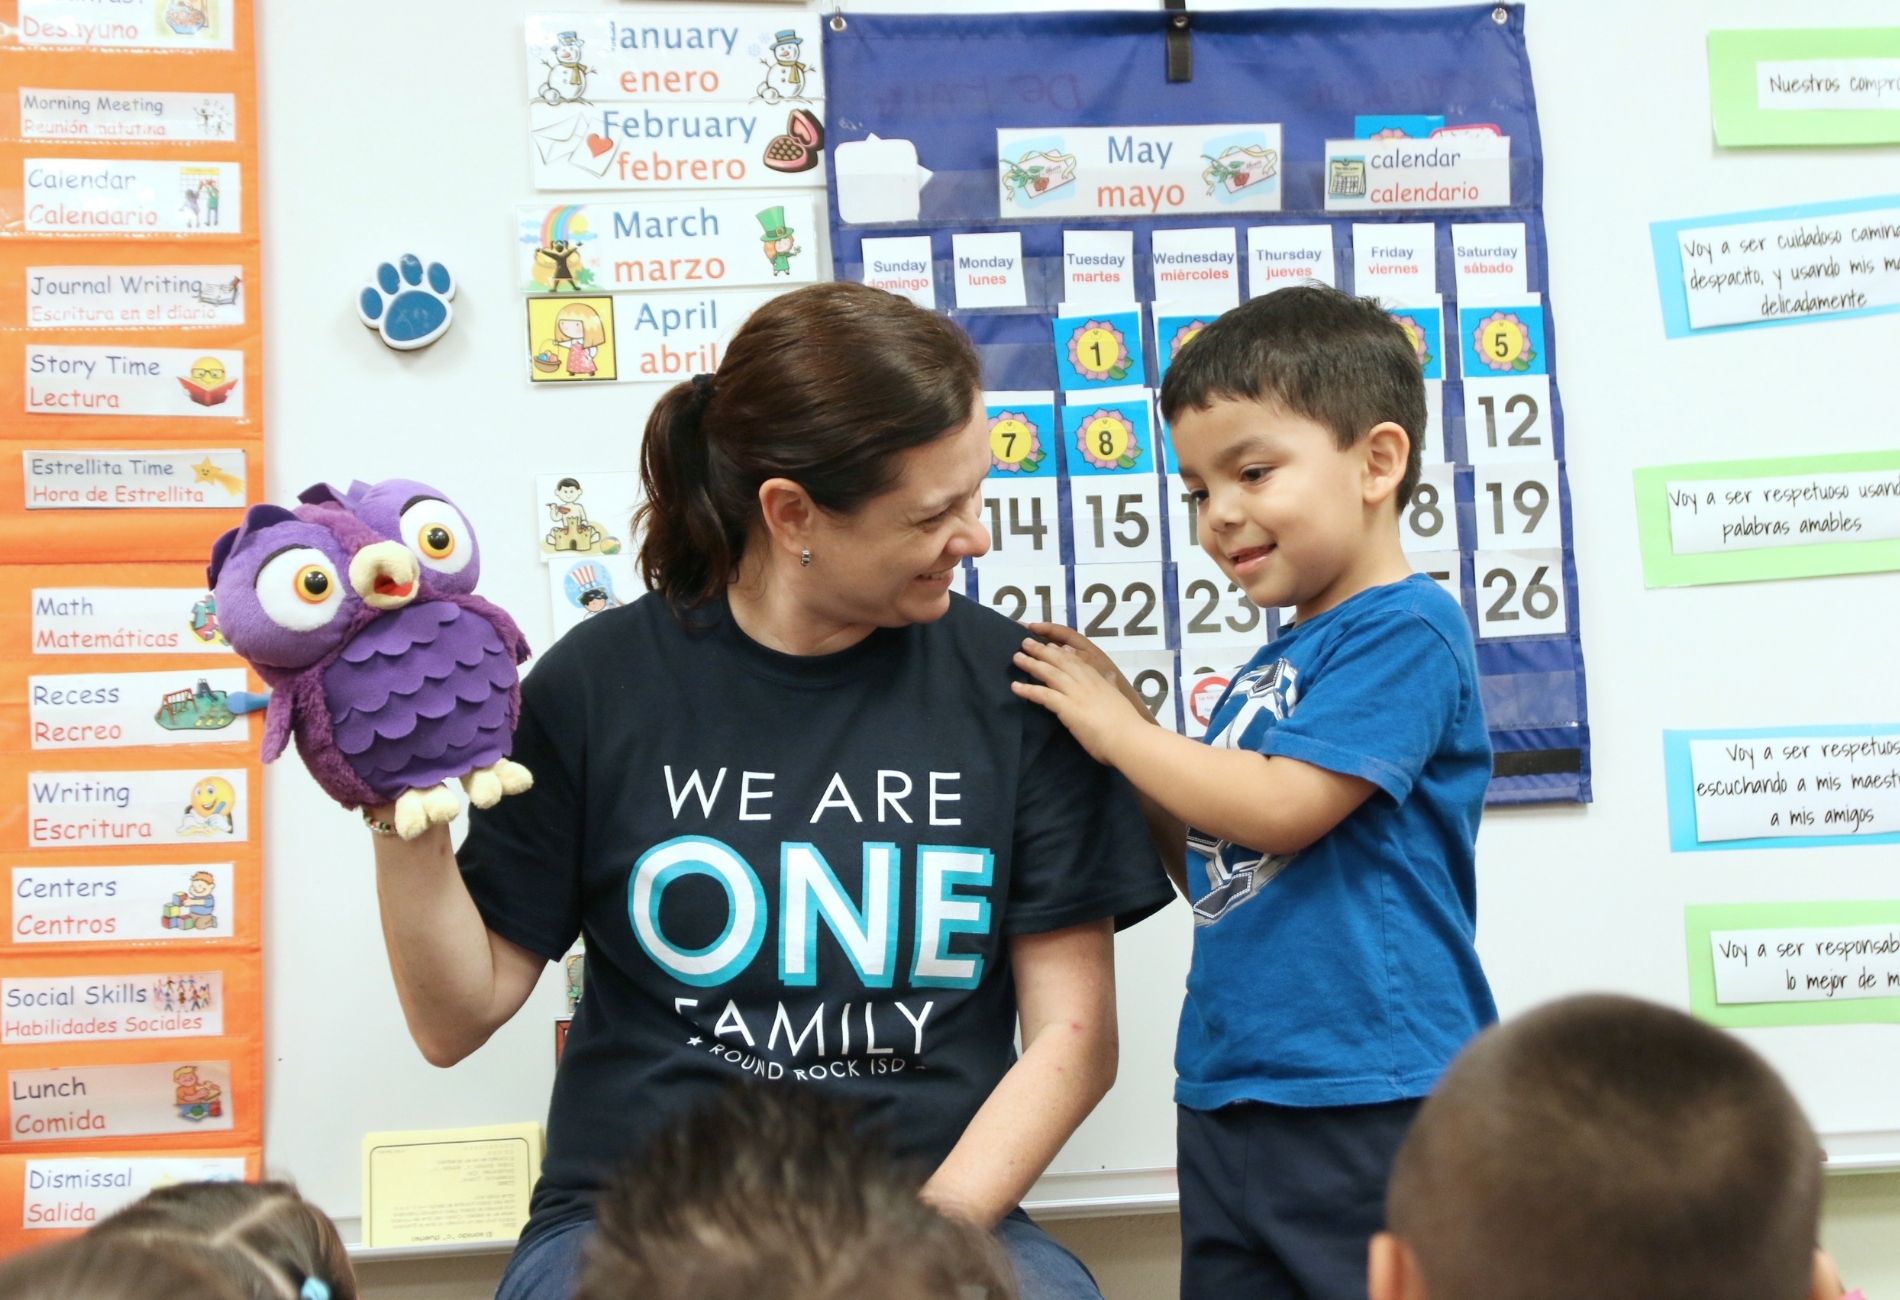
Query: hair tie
x,y
314,1288
703,388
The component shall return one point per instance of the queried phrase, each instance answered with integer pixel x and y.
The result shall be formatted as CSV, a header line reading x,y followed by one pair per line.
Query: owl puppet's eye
x,y
437,533
298,589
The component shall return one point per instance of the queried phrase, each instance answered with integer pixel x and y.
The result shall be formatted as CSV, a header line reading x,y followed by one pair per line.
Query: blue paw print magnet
x,y
406,304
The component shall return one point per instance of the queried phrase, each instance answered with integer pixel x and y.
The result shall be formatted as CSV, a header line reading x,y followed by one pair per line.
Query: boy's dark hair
x,y
263,1239
1317,353
107,1268
773,1192
568,482
1602,1146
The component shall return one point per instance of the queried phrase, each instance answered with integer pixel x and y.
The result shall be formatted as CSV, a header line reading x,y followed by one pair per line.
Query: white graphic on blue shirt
x,y
1234,872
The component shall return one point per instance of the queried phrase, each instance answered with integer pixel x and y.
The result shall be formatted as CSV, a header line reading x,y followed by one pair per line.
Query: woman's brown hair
x,y
824,386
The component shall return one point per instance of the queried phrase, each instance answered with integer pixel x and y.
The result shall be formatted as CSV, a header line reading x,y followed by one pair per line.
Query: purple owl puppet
x,y
359,609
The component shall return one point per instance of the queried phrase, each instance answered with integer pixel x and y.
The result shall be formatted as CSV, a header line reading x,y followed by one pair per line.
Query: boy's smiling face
x,y
1283,510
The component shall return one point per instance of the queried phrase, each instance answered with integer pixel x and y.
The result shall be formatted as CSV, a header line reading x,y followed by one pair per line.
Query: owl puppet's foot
x,y
487,785
417,810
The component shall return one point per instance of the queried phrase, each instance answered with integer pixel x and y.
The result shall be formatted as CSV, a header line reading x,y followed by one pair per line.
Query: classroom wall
x,y
327,223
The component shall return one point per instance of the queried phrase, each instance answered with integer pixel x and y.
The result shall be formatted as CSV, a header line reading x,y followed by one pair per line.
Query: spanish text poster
x,y
123,621
667,54
66,1103
168,25
1804,86
1807,964
187,706
91,809
1395,262
159,296
586,513
106,196
1140,170
1488,259
709,146
1098,268
1201,267
103,379
1281,255
1783,787
210,478
1778,266
1398,175
635,338
190,902
903,266
1782,517
1753,965
93,1004
756,240
666,98
60,1193
126,116
988,269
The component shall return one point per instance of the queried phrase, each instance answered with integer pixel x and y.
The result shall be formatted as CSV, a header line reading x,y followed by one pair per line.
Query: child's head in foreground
x,y
1298,419
90,1267
263,1240
1604,1147
772,1192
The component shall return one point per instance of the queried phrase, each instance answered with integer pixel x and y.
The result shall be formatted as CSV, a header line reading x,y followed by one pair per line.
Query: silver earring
x,y
804,558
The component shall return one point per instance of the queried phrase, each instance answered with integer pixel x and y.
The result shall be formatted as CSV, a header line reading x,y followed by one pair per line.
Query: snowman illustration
x,y
786,74
566,81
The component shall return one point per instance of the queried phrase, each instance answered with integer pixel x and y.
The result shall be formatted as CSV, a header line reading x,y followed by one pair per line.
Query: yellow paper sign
x,y
440,1186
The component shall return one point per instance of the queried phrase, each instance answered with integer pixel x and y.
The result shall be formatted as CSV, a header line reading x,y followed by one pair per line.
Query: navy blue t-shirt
x,y
1347,973
791,869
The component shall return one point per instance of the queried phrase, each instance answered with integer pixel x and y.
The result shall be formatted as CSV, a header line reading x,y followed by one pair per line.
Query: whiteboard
x,y
411,140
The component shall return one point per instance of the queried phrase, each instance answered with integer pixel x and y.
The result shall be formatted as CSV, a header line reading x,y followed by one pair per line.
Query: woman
x,y
809,834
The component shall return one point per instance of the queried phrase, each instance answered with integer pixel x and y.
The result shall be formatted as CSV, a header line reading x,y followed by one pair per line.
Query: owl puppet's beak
x,y
385,575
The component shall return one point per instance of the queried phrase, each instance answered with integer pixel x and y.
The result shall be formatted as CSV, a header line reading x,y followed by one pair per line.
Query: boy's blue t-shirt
x,y
1346,974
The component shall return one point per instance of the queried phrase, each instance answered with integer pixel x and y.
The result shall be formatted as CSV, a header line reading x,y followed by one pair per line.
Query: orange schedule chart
x,y
131,994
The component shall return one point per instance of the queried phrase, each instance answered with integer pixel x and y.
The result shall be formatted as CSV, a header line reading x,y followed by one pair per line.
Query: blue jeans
x,y
548,1267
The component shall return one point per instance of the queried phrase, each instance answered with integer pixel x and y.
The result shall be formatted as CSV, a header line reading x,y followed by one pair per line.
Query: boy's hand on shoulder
x,y
1092,655
1069,685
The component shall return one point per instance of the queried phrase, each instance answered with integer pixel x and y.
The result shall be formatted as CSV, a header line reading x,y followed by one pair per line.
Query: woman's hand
x,y
1089,704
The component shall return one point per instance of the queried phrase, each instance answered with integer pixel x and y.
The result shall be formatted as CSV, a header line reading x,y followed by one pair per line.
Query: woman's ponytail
x,y
689,546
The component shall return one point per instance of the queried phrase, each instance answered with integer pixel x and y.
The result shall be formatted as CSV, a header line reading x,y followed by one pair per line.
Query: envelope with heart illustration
x,y
557,139
593,153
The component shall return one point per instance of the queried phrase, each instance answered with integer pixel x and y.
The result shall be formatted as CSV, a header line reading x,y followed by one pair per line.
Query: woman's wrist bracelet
x,y
377,827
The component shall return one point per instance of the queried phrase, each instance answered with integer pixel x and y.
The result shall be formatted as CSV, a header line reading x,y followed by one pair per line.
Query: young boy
x,y
1602,1146
1332,810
